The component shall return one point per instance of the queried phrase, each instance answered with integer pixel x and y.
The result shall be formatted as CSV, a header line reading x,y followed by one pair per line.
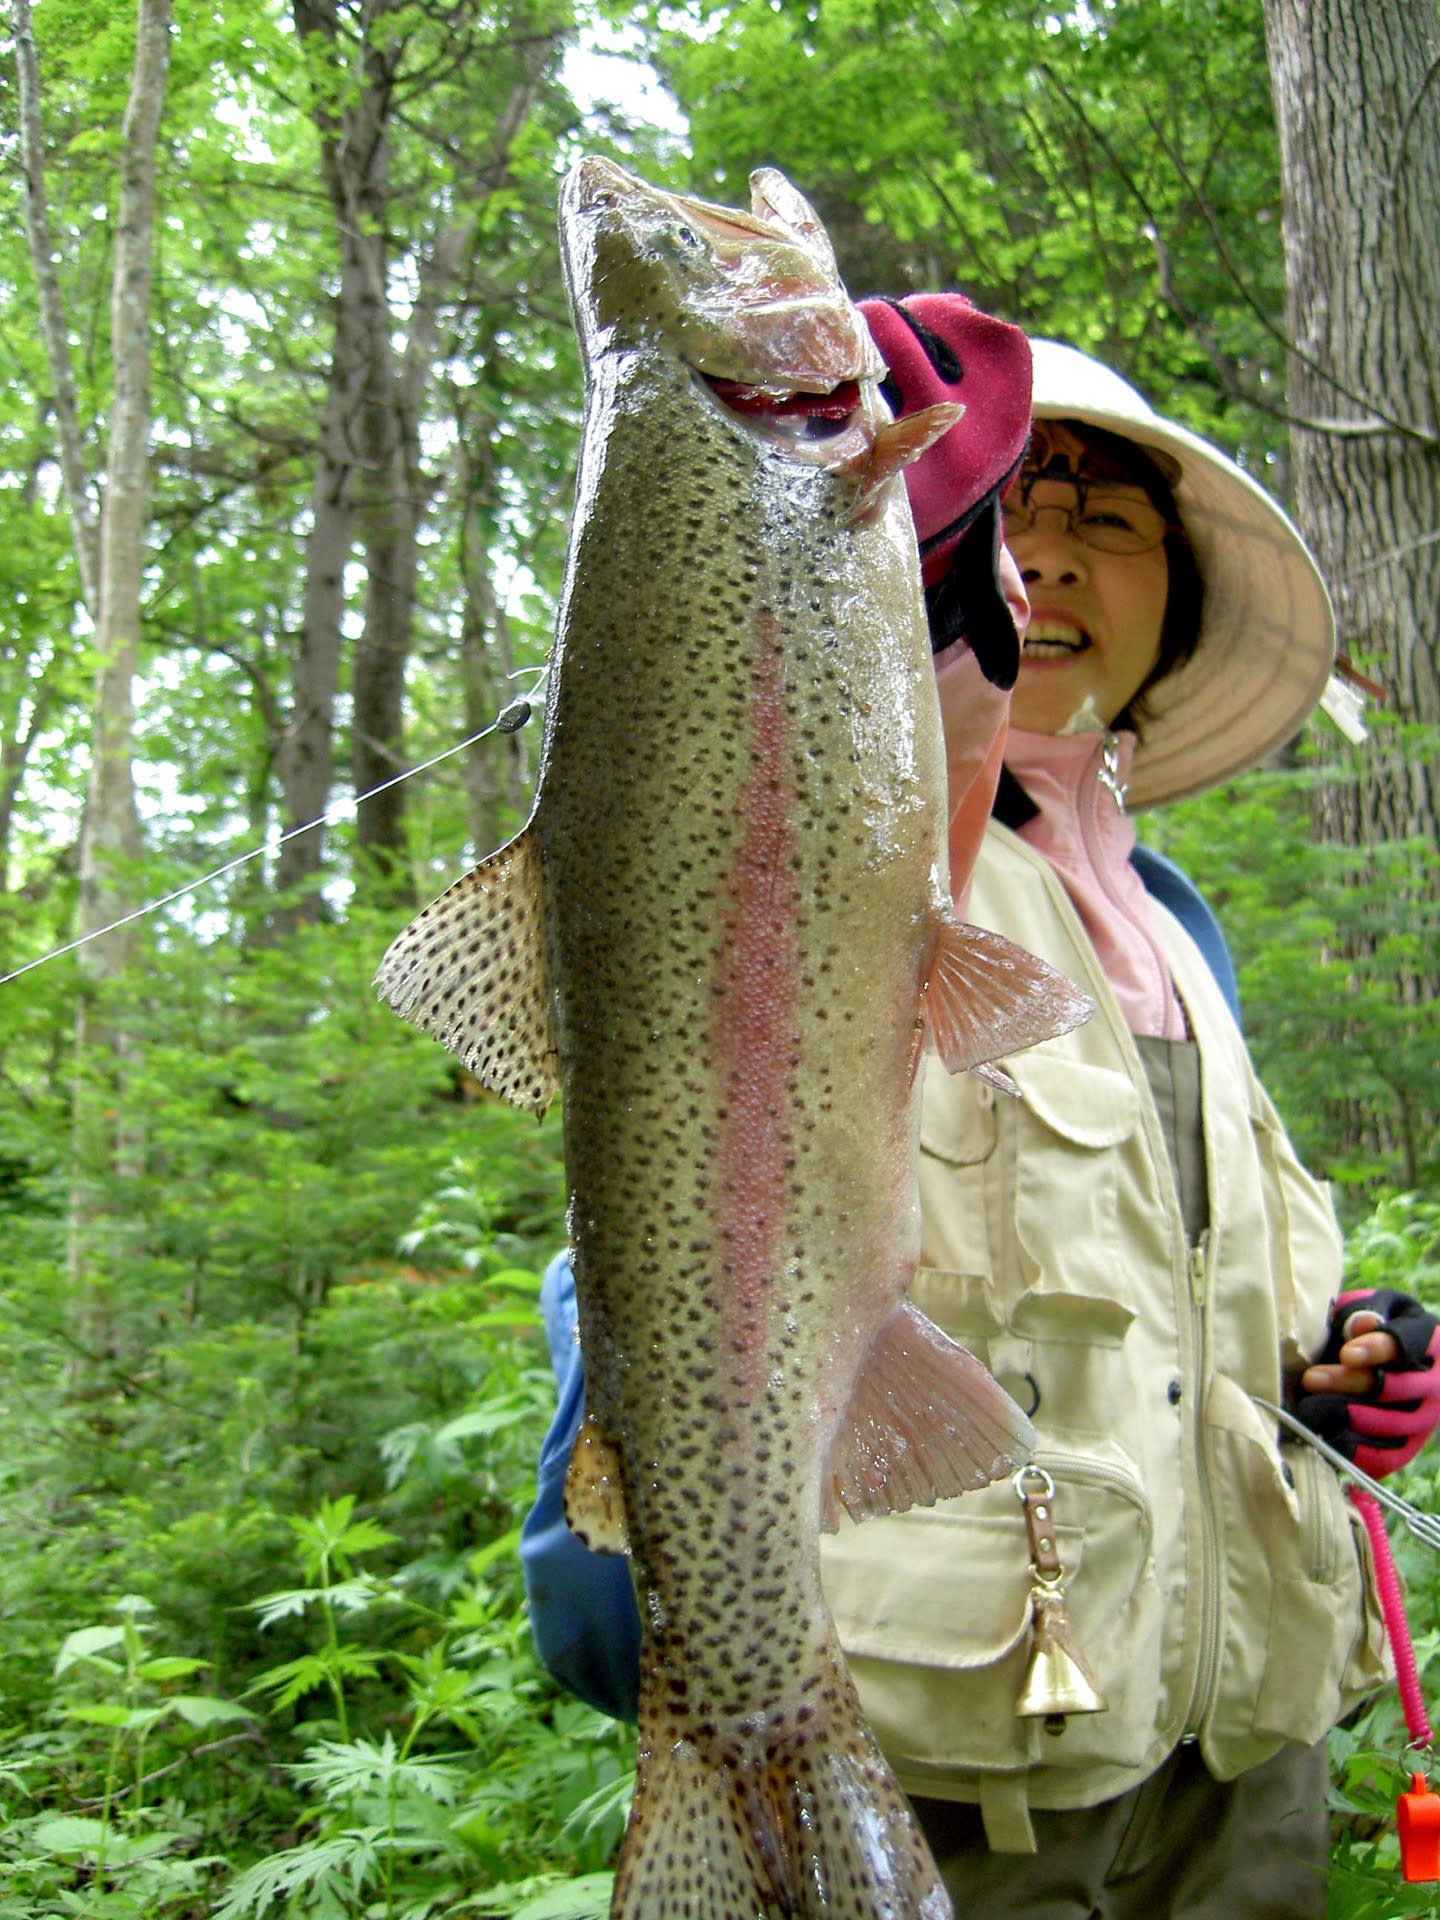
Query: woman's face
x,y
1095,617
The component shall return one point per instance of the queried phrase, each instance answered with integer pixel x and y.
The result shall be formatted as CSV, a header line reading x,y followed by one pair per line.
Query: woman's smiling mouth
x,y
1051,639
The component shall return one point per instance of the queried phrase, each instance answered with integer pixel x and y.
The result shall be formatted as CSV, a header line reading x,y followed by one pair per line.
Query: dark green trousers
x,y
1180,1847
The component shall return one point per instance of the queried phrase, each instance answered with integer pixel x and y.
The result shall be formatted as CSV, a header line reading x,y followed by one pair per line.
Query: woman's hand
x,y
1366,1347
1374,1393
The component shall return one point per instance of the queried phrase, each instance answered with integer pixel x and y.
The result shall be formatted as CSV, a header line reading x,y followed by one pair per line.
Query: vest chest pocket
x,y
1033,1194
1082,1181
933,1610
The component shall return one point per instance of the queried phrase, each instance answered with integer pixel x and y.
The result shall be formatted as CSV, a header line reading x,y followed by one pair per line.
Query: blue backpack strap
x,y
582,1604
1177,891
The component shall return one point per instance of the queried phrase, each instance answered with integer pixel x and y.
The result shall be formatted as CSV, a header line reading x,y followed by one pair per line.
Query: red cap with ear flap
x,y
938,346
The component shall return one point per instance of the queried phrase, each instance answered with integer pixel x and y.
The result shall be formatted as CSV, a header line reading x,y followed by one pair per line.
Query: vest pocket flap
x,y
935,1588
1089,1105
1044,1313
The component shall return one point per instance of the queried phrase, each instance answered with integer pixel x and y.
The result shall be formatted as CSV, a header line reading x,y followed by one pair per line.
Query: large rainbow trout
x,y
723,935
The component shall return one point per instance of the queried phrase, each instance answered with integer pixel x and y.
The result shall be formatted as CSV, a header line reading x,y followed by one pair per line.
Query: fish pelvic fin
x,y
472,971
793,1814
594,1493
927,1421
896,445
984,997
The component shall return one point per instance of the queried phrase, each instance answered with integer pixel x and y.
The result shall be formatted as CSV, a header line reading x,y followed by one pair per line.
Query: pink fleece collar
x,y
1086,836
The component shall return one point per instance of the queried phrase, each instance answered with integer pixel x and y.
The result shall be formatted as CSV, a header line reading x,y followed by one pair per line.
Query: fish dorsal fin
x,y
472,970
896,445
926,1421
984,997
594,1500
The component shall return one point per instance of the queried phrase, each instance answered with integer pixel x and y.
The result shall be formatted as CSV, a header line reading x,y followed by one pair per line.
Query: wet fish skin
x,y
721,933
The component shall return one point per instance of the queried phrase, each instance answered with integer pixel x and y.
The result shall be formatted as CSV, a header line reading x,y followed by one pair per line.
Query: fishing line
x,y
510,719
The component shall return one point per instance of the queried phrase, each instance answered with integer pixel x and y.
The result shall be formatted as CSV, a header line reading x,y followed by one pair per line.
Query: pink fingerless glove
x,y
1384,1429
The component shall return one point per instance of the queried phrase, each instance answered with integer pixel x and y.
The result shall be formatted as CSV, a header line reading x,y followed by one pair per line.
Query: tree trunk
x,y
497,768
1357,103
395,498
355,151
107,1134
44,260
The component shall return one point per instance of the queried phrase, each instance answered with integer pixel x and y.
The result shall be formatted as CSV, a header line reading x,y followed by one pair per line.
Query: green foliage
x,y
380,1737
1320,936
1105,175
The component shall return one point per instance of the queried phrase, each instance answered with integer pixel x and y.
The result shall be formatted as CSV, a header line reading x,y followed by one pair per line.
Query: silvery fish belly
x,y
725,935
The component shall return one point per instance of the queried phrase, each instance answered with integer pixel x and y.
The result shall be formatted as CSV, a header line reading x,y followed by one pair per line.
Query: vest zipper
x,y
1197,1262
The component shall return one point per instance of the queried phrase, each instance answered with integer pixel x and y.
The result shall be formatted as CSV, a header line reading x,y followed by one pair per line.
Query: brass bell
x,y
1057,1681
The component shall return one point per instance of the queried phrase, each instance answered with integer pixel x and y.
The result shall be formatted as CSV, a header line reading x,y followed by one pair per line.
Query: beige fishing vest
x,y
1218,1583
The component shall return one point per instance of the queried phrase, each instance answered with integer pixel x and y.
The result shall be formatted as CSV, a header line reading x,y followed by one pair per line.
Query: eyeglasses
x,y
1107,521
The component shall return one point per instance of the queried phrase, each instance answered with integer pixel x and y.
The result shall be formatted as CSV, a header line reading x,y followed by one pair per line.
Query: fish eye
x,y
681,242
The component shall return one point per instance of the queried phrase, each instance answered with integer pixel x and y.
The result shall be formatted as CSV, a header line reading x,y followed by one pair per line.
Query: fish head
x,y
752,302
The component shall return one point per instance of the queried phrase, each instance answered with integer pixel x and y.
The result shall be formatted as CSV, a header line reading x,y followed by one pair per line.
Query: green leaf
x,y
294,1678
585,1898
102,1714
202,1710
85,1644
170,1667
347,1596
71,1835
334,1865
515,1280
507,1411
364,1537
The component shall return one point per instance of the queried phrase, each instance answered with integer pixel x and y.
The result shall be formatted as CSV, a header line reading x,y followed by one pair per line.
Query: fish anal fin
x,y
594,1497
926,1421
983,997
472,971
896,444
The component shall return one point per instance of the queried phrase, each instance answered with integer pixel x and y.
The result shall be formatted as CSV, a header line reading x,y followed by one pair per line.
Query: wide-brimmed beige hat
x,y
1267,639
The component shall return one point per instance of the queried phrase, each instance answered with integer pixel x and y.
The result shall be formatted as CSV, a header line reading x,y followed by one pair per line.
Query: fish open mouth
x,y
793,415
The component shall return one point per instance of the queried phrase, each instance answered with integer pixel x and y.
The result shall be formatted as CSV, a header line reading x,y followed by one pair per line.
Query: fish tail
x,y
798,1819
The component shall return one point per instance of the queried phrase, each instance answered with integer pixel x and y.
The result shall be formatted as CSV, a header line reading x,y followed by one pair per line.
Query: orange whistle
x,y
1417,1814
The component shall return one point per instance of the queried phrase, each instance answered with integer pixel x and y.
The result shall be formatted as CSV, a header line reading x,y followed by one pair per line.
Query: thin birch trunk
x,y
108,1139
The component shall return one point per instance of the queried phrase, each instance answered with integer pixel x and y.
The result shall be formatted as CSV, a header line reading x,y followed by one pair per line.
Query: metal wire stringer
x,y
1424,1526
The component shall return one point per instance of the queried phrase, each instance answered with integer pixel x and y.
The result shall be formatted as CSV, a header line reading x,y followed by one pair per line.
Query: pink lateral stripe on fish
x,y
718,935
754,1045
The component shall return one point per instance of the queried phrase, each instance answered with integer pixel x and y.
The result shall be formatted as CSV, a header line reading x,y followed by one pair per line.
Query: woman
x,y
1133,1249
1131,1246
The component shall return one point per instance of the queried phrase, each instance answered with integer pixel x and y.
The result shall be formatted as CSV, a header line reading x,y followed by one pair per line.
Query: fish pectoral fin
x,y
983,997
472,971
896,445
926,1421
594,1498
